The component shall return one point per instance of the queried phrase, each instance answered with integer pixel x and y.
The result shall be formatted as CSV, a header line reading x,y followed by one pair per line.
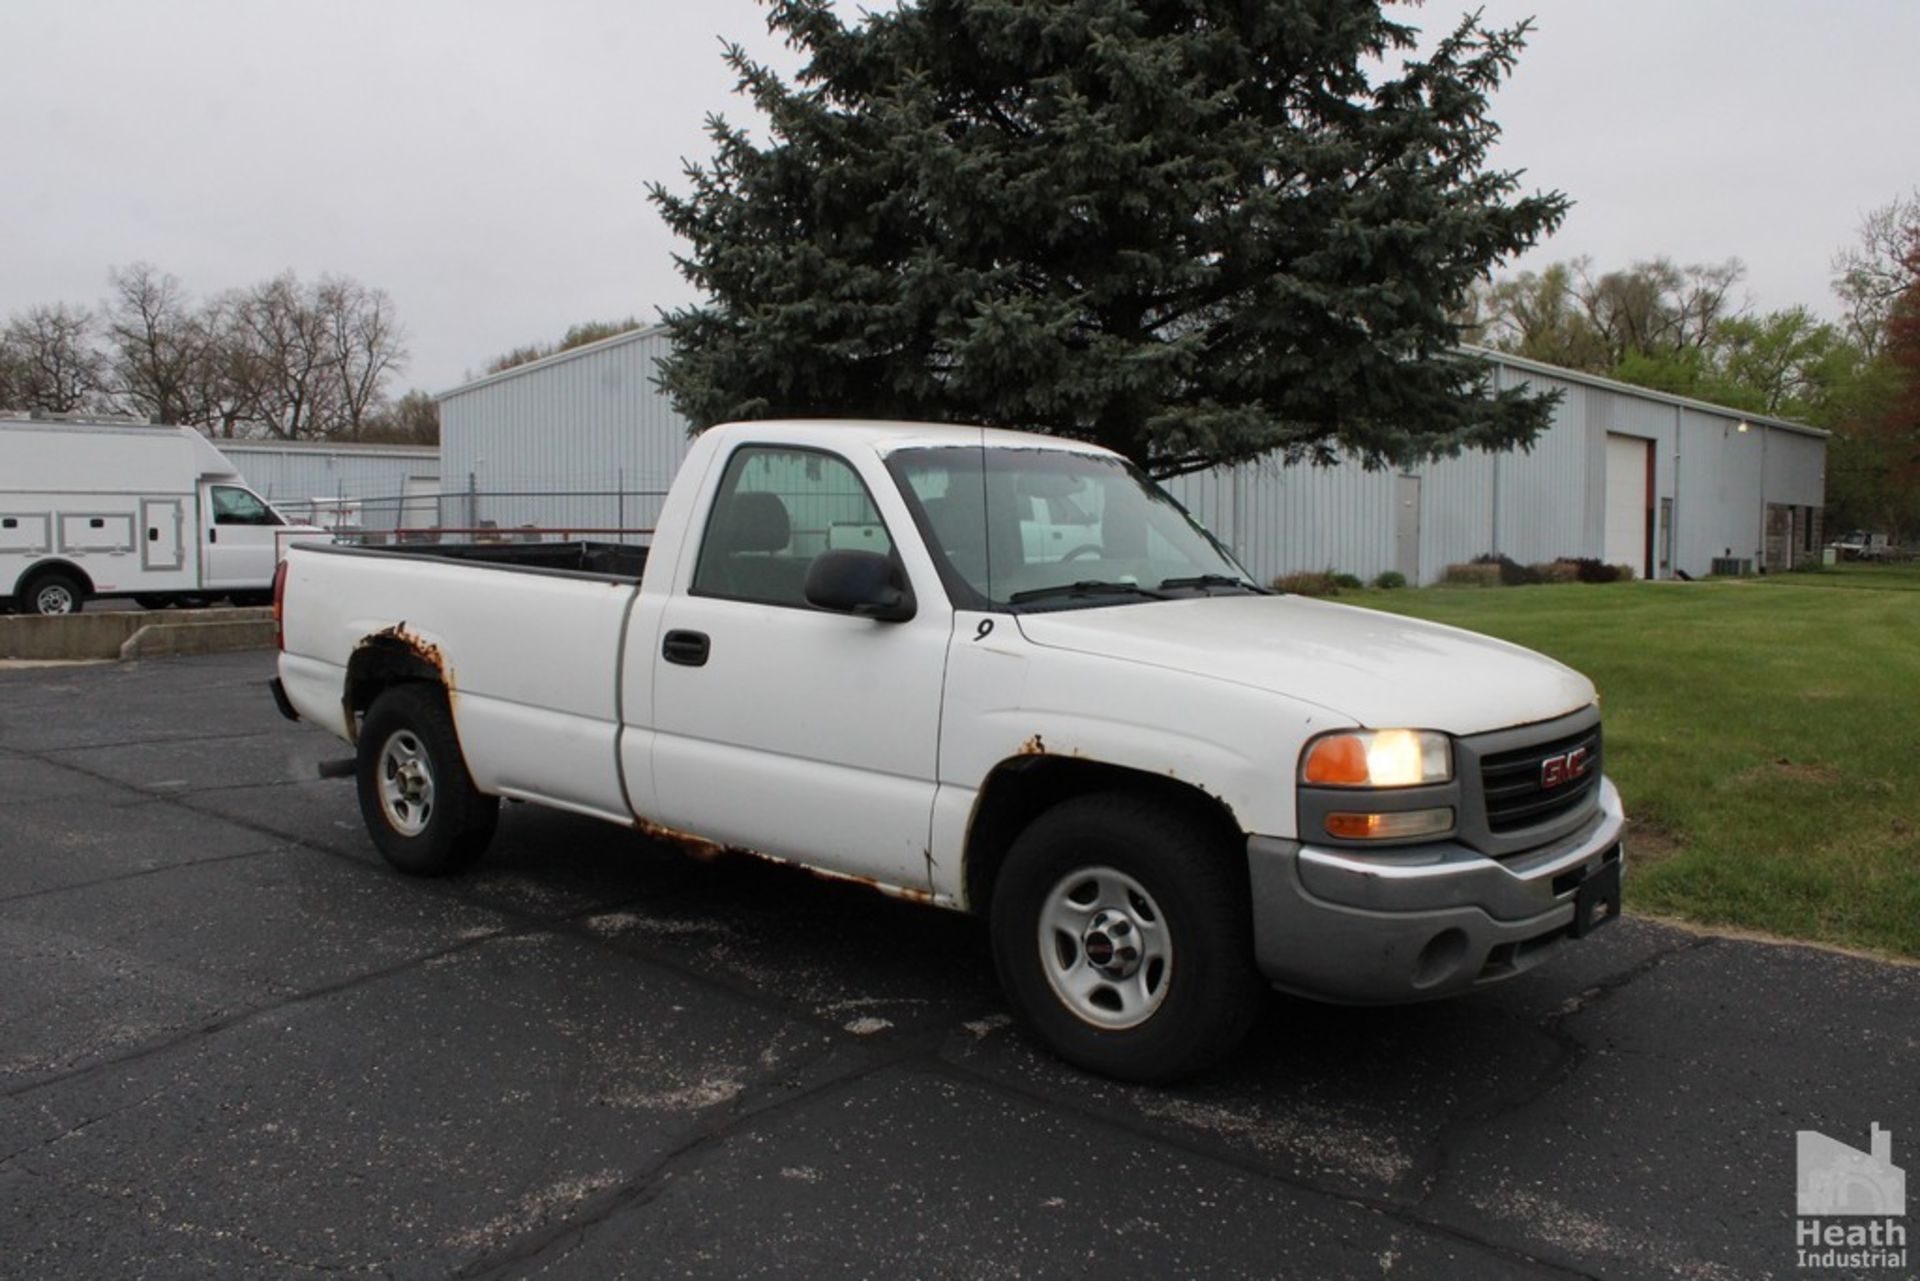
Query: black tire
x,y
53,592
1183,903
442,828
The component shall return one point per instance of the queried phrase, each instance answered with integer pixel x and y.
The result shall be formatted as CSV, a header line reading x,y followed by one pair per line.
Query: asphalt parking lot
x,y
232,1042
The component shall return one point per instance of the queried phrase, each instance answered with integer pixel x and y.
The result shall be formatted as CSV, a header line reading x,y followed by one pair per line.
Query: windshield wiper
x,y
1210,580
1085,587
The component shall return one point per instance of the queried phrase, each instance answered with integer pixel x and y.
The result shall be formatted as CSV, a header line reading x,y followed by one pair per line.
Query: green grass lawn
x,y
1765,735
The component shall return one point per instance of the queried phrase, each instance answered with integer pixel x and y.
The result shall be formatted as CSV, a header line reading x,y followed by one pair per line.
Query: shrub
x,y
1348,582
1589,570
1512,572
1472,575
1557,571
1307,584
1622,573
1390,580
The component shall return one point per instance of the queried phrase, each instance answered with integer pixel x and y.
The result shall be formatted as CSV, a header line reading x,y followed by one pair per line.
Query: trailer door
x,y
162,550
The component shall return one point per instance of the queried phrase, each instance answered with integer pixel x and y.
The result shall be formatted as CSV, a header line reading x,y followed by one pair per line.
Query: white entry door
x,y
1406,527
1629,501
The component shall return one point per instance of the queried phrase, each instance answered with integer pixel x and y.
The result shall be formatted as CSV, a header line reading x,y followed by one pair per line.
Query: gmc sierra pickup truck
x,y
999,673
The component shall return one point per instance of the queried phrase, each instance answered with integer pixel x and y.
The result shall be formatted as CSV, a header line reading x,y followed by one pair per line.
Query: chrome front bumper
x,y
1419,922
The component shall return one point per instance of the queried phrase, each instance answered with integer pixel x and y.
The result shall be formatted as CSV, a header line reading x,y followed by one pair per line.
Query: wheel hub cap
x,y
406,784
1112,944
1105,948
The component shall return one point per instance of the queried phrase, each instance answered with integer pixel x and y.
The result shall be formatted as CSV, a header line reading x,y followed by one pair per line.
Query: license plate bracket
x,y
1597,901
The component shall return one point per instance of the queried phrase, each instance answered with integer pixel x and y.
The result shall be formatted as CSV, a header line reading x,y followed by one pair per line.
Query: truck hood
x,y
1379,670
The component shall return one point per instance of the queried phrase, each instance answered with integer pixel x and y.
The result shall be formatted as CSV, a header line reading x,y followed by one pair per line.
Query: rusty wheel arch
x,y
1023,787
385,659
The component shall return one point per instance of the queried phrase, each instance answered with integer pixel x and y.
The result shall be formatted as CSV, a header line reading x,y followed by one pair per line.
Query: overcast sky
x,y
483,160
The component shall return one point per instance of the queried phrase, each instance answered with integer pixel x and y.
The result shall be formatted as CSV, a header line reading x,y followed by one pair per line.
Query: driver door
x,y
239,539
790,730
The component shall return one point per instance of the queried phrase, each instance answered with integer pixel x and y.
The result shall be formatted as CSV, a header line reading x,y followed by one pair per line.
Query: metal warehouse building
x,y
1625,475
397,485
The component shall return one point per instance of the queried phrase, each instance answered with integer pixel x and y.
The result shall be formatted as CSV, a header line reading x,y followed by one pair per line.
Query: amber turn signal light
x,y
1400,825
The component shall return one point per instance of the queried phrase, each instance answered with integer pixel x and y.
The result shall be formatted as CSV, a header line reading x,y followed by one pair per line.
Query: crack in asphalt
x,y
1430,1165
1190,1145
772,1101
42,753
237,1018
42,1145
138,873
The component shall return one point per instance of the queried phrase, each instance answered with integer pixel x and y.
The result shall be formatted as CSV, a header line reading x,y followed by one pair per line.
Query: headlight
x,y
1378,758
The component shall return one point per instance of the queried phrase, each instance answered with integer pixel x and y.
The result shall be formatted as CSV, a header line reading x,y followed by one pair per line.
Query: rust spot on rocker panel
x,y
702,848
698,846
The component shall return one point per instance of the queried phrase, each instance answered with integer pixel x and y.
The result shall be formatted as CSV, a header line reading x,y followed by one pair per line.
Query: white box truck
x,y
154,513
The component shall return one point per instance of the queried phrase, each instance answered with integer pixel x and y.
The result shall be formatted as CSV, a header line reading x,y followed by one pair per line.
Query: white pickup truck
x,y
998,673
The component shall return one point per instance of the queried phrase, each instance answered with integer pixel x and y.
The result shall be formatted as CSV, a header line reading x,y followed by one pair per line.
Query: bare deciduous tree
x,y
1657,306
231,384
157,342
1871,275
288,341
53,364
363,348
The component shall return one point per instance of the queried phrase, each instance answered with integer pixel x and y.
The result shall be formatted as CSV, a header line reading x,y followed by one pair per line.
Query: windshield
x,y
1050,528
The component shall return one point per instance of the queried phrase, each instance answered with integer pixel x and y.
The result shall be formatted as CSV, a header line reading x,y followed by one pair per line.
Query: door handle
x,y
213,535
689,649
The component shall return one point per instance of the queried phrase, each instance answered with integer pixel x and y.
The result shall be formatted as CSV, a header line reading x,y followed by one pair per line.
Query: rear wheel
x,y
1123,938
55,593
418,801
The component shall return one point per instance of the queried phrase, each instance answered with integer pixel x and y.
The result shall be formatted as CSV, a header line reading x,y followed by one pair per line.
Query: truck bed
x,y
602,560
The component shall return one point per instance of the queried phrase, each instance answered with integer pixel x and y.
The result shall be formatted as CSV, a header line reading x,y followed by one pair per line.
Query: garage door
x,y
1629,501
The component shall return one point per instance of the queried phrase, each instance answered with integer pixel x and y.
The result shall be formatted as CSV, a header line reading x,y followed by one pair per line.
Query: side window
x,y
235,506
776,510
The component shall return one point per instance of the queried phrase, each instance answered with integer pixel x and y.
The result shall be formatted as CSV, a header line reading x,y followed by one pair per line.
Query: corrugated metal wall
x,y
1534,505
592,419
588,423
290,474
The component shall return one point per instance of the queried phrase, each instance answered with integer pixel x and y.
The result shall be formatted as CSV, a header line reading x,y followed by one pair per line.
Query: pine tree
x,y
1196,231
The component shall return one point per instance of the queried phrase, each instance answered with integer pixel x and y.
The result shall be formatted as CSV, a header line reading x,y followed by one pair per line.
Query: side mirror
x,y
865,584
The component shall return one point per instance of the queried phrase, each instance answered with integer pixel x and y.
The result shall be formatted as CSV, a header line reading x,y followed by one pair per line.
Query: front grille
x,y
1515,795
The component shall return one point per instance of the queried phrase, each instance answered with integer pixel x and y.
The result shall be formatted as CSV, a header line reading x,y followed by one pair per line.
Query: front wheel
x,y
418,801
1122,935
55,594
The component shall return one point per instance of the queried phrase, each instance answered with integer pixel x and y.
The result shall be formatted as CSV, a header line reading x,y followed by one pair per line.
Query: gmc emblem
x,y
1558,771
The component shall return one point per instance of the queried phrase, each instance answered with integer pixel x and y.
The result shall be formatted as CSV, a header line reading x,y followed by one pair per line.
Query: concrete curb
x,y
133,634
163,640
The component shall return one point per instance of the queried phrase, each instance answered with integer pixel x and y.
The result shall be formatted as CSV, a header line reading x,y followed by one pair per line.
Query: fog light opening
x,y
1443,957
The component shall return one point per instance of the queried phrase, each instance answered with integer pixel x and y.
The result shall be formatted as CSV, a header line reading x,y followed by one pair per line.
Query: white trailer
x,y
155,513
